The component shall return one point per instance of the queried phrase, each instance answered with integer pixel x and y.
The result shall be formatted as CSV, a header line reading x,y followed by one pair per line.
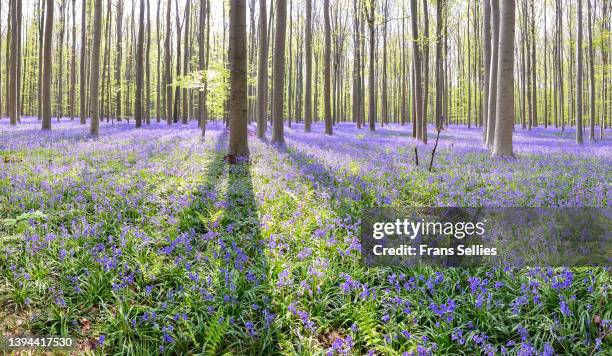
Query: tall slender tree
x,y
72,100
94,90
579,70
439,68
327,70
416,67
262,73
308,62
371,8
167,65
138,109
47,67
592,113
202,63
504,122
278,135
494,72
486,59
83,69
238,143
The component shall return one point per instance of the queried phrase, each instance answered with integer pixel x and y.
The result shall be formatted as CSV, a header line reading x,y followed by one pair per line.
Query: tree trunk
x,y
47,67
73,63
439,82
426,72
592,74
418,85
486,59
83,73
308,60
13,91
493,76
238,144
202,63
579,73
357,96
280,31
262,73
118,59
167,65
505,93
372,61
95,69
138,112
186,57
327,70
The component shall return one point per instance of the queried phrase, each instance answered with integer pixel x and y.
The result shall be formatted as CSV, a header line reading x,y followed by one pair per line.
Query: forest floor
x,y
145,240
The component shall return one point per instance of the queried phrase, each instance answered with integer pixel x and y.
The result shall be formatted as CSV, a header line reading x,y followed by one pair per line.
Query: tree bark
x,y
47,67
592,113
167,65
486,59
95,69
308,60
280,32
579,73
262,73
493,76
238,144
418,85
327,69
138,112
83,73
505,93
439,70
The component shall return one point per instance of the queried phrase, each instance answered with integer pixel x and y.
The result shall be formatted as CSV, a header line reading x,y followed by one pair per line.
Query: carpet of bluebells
x,y
146,242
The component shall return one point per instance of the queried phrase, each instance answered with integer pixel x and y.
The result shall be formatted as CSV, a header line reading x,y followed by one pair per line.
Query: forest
x,y
190,176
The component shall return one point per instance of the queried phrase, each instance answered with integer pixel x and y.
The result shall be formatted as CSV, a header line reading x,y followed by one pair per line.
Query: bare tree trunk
x,y
186,56
148,68
418,85
372,61
385,114
60,76
327,70
357,95
262,74
13,91
83,73
592,74
202,63
95,69
493,76
505,94
47,67
238,144
425,72
534,92
279,72
167,65
579,74
439,69
138,114
73,63
308,60
486,58
118,59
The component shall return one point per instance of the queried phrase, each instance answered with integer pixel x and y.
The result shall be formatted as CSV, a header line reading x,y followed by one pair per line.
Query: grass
x,y
146,243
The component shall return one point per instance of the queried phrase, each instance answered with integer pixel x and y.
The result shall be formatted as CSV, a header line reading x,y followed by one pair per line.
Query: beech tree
x,y
579,73
327,70
47,67
278,135
504,117
238,144
94,90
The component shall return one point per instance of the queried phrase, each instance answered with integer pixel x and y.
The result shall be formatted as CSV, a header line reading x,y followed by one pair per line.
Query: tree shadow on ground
x,y
229,226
